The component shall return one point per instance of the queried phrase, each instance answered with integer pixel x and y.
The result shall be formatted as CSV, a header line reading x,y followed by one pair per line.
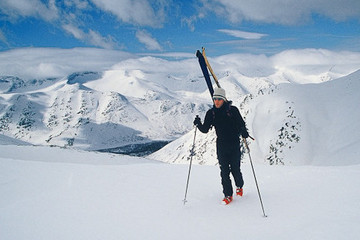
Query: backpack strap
x,y
228,111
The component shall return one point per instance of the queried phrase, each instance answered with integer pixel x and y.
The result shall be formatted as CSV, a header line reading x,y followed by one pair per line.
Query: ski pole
x,y
257,186
192,153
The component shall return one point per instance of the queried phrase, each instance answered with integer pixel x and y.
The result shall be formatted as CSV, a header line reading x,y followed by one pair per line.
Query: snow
x,y
300,105
53,193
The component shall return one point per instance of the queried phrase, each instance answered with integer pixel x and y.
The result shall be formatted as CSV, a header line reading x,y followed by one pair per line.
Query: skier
x,y
229,125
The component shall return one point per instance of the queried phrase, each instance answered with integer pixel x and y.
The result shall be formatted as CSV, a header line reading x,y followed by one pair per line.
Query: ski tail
x,y
205,71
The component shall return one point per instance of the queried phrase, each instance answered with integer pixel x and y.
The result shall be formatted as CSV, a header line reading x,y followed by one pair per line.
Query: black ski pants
x,y
229,160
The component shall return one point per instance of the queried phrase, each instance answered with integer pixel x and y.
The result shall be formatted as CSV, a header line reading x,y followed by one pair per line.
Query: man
x,y
229,125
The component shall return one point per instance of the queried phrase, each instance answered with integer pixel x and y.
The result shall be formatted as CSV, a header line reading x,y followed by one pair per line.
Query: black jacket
x,y
228,123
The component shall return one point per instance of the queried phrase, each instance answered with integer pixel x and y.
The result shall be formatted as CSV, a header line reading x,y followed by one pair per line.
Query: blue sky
x,y
160,26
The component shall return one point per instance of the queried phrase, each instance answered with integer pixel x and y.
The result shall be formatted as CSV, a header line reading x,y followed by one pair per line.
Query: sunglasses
x,y
217,99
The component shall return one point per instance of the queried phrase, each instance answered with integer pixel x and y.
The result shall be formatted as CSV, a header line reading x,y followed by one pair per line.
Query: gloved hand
x,y
245,134
197,121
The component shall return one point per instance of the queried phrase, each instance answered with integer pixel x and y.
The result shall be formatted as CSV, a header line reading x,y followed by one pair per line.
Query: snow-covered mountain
x,y
93,110
141,100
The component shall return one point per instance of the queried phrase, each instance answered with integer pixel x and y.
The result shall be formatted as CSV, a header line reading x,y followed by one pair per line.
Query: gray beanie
x,y
219,93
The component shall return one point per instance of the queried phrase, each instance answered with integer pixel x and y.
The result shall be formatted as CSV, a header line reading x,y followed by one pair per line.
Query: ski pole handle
x,y
197,117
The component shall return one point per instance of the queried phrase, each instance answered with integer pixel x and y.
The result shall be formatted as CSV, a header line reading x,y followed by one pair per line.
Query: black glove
x,y
245,134
197,121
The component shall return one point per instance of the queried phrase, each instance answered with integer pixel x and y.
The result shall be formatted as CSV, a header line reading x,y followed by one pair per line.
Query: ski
x,y
205,71
210,69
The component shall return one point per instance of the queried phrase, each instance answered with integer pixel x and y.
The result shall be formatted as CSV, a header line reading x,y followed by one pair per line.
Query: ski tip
x,y
198,53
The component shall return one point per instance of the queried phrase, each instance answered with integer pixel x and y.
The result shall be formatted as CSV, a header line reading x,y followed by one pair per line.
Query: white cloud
x,y
80,4
316,57
145,38
314,62
29,8
283,11
28,63
242,34
96,39
70,20
138,12
189,21
174,55
92,37
76,32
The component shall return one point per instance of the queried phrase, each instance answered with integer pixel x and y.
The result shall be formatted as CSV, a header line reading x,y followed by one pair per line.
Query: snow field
x,y
51,193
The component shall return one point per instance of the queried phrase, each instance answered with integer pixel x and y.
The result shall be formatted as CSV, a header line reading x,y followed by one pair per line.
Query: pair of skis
x,y
205,65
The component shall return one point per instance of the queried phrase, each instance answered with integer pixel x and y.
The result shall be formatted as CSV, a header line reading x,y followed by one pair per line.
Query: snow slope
x,y
53,193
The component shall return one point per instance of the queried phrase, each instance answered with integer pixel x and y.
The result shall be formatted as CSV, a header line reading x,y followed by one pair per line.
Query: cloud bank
x,y
29,63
